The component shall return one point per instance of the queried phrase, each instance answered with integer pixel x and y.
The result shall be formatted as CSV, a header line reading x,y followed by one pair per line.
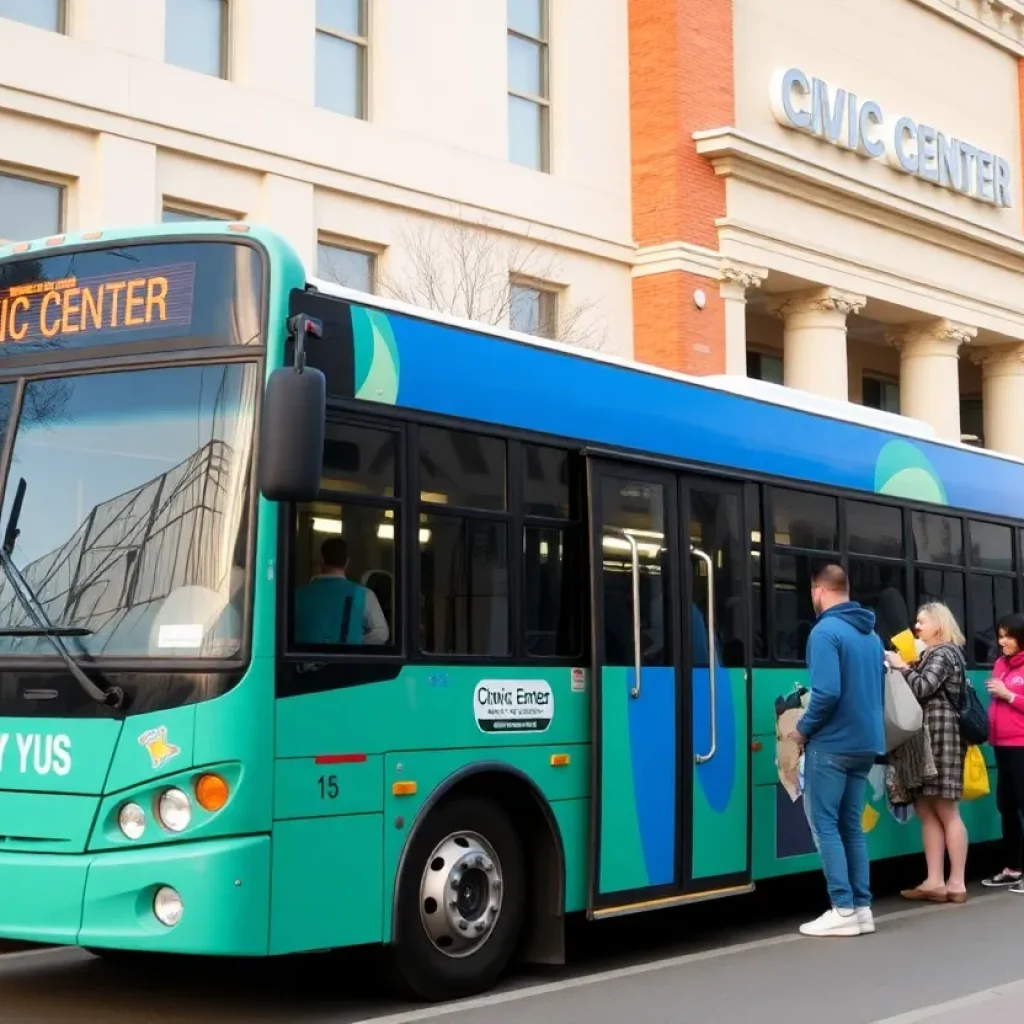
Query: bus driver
x,y
331,609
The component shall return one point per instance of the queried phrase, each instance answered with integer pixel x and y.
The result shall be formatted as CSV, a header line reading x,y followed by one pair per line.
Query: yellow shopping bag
x,y
975,775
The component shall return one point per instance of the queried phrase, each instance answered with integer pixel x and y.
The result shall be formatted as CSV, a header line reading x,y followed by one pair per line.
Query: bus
x,y
331,622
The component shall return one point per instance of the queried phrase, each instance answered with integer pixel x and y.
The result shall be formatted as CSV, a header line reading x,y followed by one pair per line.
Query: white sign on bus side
x,y
520,705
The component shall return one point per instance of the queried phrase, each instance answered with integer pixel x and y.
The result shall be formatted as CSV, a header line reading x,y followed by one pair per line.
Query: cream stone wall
x,y
902,55
99,111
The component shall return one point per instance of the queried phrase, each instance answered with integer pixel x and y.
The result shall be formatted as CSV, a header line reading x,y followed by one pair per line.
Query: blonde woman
x,y
928,771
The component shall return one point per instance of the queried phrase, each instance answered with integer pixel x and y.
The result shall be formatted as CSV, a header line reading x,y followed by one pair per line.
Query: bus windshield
x,y
134,517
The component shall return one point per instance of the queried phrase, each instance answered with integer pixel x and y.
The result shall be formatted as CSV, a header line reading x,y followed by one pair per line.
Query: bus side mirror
x,y
292,434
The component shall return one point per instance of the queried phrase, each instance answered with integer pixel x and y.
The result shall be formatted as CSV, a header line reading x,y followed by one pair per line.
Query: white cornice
x,y
735,154
999,21
684,256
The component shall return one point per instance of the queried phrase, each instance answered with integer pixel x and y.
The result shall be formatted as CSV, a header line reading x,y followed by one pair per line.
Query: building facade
x,y
430,151
828,195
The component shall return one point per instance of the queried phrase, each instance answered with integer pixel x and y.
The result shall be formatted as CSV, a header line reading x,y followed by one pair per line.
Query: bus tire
x,y
461,902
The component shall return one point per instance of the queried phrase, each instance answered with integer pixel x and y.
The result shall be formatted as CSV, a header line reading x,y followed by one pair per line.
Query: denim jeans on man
x,y
835,790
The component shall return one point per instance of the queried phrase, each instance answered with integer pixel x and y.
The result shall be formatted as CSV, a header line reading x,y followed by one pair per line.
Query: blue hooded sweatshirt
x,y
846,662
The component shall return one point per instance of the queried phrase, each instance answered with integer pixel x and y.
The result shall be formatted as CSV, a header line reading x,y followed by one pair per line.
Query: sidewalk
x,y
1003,1004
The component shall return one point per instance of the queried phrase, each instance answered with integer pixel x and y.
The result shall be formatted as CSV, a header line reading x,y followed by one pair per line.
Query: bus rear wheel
x,y
461,902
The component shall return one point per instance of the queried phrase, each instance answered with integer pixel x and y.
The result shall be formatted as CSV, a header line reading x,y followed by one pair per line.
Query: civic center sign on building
x,y
812,106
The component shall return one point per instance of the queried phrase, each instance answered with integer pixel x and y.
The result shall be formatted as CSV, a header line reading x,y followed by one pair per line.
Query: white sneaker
x,y
866,920
833,923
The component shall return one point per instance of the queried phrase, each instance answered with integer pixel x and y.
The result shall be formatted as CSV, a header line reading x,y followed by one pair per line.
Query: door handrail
x,y
707,560
634,549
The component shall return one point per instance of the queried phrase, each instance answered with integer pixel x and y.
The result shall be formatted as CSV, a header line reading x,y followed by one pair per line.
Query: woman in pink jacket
x,y
1006,734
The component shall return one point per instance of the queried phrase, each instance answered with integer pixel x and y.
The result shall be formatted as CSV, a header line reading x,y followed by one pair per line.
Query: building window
x,y
881,394
46,14
341,56
196,35
29,209
972,422
351,268
529,100
533,310
765,367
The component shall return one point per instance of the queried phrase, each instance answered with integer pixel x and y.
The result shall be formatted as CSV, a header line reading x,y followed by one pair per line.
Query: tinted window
x,y
882,588
805,520
992,597
991,547
464,586
360,460
135,500
938,539
874,529
546,481
208,292
794,612
343,575
552,568
637,508
716,529
458,468
757,571
943,586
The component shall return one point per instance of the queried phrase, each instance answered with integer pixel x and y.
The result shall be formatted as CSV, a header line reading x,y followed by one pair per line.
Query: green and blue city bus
x,y
328,622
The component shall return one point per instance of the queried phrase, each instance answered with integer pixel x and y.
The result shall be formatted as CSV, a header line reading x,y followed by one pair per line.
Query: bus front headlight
x,y
131,819
174,810
168,906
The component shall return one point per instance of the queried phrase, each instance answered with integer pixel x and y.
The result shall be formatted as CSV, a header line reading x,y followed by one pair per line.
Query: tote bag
x,y
903,715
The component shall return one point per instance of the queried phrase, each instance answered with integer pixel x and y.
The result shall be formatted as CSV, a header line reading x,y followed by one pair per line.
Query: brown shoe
x,y
926,895
956,897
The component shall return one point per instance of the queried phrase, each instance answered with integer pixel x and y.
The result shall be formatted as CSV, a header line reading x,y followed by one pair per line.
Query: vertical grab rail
x,y
634,549
707,560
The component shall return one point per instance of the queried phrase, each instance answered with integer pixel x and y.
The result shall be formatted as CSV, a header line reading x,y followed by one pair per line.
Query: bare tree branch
x,y
466,269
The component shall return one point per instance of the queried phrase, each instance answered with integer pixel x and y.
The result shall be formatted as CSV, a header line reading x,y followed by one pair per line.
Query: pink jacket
x,y
1006,720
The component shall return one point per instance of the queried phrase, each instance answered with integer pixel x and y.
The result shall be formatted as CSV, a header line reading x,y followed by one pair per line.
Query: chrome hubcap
x,y
460,894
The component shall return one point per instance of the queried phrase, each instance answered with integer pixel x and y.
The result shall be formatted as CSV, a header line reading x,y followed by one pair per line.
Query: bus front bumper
x,y
106,900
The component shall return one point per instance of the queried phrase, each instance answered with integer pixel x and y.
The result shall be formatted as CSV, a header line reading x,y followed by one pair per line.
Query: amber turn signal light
x,y
211,792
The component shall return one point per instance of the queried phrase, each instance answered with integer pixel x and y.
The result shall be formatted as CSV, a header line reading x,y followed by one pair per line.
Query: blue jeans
x,y
835,788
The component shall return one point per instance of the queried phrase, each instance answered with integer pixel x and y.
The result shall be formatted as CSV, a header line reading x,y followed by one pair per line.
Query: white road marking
x,y
988,995
530,992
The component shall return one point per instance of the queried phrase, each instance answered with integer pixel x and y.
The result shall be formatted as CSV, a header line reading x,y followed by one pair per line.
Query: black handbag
x,y
971,714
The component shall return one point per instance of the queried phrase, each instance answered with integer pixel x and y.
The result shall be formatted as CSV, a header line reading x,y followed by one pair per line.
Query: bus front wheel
x,y
461,901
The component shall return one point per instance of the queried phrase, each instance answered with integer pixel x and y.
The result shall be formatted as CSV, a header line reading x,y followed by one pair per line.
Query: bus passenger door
x,y
639,753
717,657
670,759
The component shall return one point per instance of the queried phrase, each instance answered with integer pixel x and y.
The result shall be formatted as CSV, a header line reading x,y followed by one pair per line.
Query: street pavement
x,y
742,960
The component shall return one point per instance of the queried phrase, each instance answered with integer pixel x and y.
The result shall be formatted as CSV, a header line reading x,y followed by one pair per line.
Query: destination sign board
x,y
160,295
44,310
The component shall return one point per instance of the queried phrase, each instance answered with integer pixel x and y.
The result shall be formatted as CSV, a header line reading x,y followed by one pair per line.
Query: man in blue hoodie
x,y
843,731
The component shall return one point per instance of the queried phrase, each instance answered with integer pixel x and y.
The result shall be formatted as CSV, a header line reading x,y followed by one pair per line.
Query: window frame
x,y
51,182
542,101
224,61
544,292
372,253
362,43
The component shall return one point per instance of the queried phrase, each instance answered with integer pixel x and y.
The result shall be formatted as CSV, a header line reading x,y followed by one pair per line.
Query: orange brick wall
x,y
668,328
681,81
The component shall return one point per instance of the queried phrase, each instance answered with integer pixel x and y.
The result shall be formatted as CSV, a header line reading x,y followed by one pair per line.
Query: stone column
x,y
815,339
1003,397
734,281
930,372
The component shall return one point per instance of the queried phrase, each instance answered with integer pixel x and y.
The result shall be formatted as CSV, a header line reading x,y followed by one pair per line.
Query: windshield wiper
x,y
114,697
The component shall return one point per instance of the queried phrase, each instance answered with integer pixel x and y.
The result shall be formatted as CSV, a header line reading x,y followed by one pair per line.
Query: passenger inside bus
x,y
332,609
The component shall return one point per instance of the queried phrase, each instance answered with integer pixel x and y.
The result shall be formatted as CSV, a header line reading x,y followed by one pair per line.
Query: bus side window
x,y
344,563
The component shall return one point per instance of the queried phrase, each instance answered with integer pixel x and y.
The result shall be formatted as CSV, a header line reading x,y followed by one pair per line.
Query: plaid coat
x,y
937,680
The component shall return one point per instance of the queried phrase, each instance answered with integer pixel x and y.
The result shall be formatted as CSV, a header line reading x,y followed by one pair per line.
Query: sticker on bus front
x,y
160,751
